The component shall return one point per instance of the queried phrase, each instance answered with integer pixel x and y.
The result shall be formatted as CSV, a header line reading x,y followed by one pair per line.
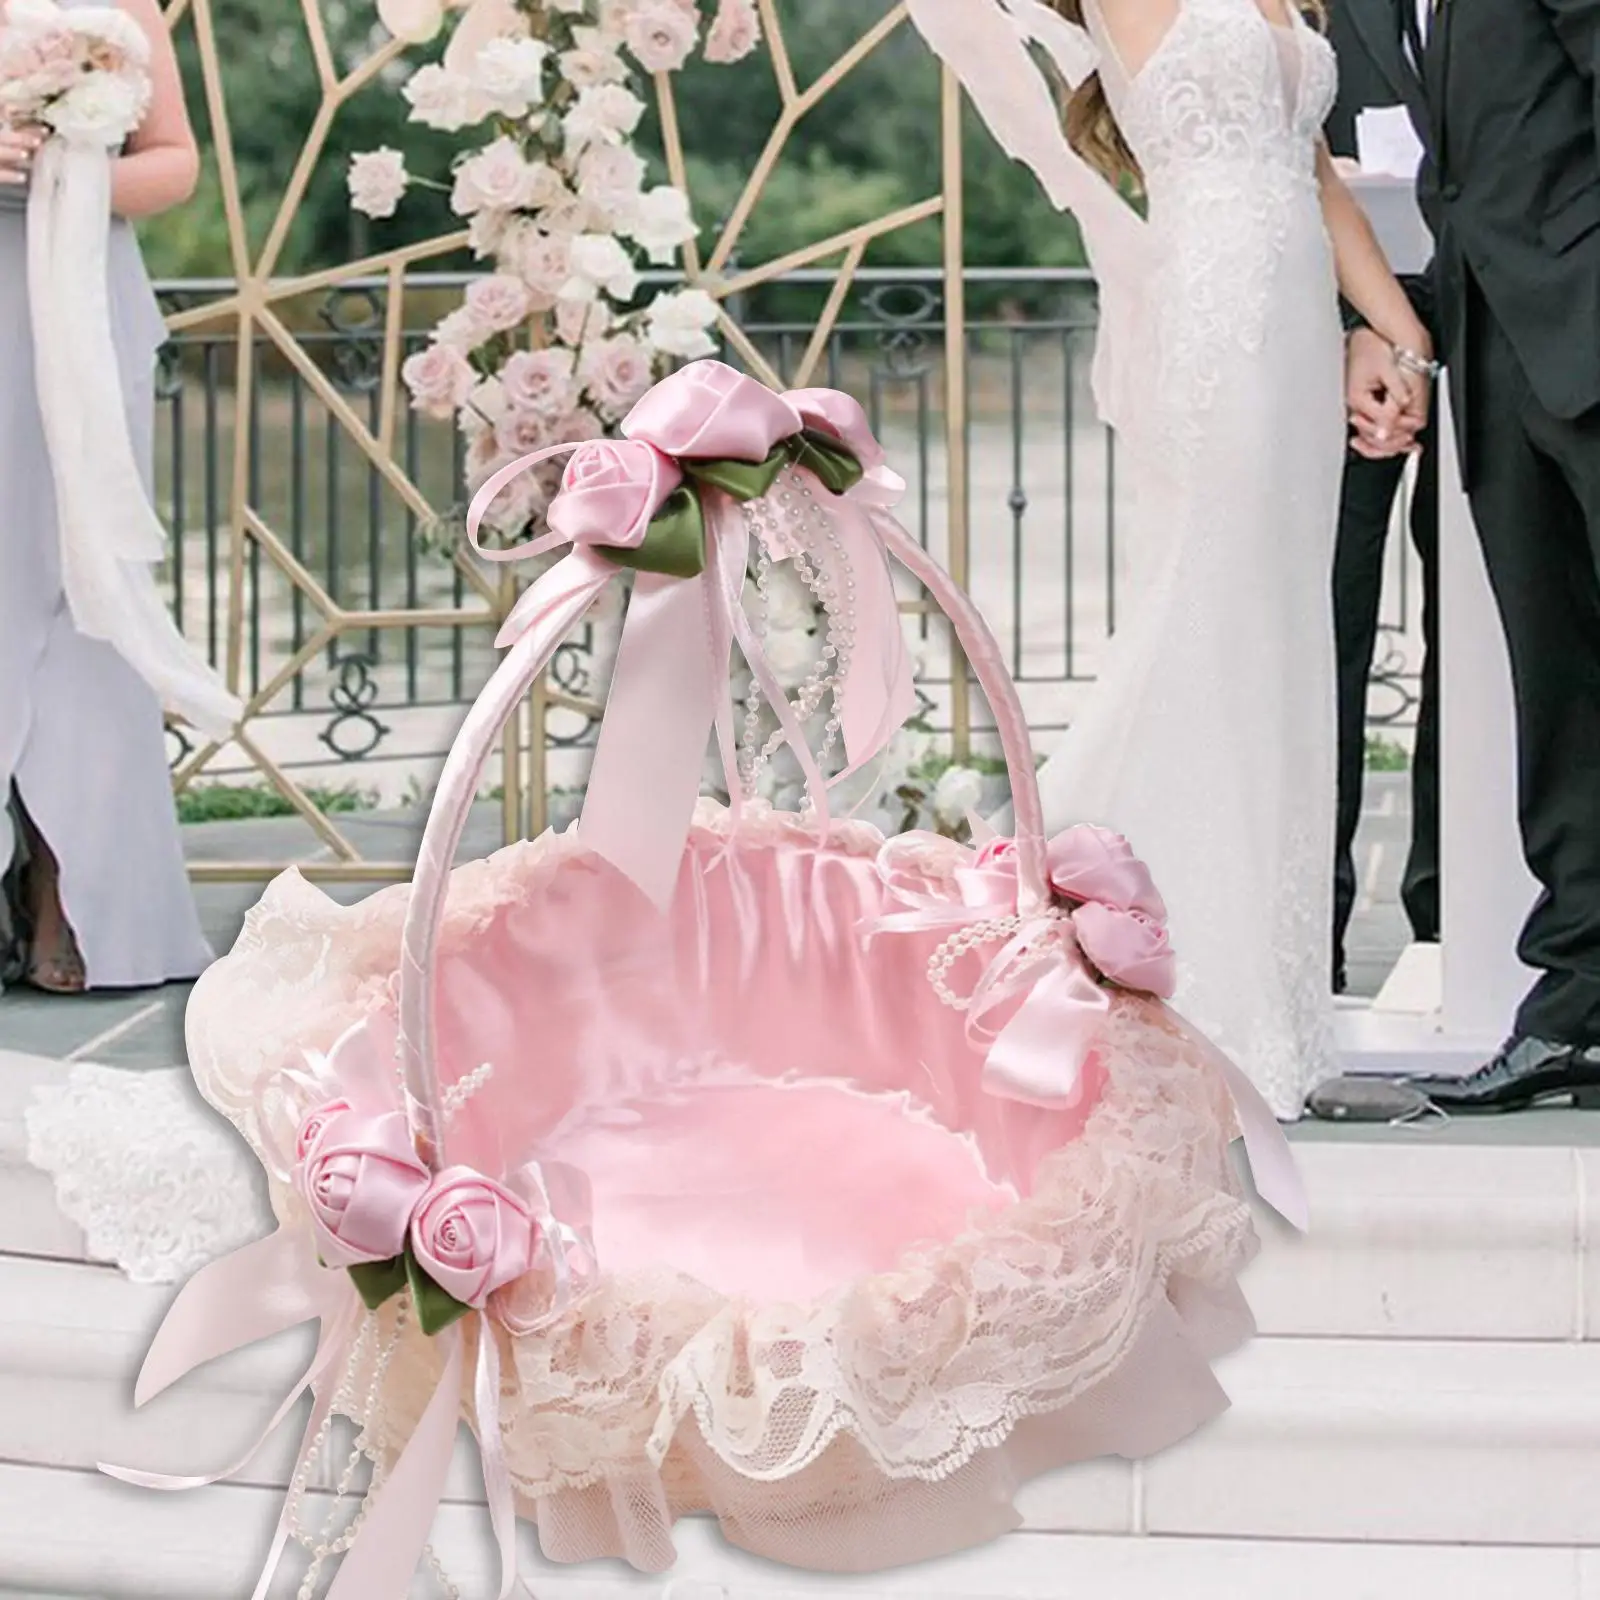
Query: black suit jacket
x,y
1512,188
1374,70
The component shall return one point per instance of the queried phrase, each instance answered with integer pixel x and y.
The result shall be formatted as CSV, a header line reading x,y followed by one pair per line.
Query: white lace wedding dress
x,y
1209,739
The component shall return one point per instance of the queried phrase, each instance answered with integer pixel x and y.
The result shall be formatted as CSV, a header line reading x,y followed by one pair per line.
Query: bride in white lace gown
x,y
1209,738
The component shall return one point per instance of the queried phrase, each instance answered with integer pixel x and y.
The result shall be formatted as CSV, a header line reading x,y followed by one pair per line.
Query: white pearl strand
x,y
321,1547
992,930
798,517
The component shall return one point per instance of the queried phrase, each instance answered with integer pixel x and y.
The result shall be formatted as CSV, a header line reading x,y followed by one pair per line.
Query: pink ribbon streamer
x,y
669,689
278,1283
1037,1056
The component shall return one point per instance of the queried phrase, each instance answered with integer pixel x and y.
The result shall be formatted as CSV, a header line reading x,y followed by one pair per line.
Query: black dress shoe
x,y
1526,1072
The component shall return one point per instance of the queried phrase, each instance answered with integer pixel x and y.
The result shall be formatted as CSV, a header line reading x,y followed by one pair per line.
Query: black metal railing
x,y
1043,547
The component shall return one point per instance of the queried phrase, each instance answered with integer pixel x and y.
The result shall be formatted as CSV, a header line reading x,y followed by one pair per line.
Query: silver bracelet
x,y
1410,361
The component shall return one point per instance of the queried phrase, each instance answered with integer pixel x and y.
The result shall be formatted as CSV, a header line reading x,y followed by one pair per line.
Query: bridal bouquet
x,y
81,74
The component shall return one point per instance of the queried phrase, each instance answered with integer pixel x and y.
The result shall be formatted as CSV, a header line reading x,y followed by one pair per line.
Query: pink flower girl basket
x,y
724,1160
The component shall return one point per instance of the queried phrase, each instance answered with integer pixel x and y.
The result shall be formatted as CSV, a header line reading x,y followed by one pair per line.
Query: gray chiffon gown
x,y
81,737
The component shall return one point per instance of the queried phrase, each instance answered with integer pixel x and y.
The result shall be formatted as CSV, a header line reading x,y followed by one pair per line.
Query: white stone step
x,y
1404,1440
66,1533
1415,1240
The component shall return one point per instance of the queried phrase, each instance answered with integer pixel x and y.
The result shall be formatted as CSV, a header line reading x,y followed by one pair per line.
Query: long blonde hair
x,y
1086,112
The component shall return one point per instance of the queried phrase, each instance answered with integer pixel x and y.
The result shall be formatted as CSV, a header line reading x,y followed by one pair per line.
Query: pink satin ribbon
x,y
1038,1055
669,688
278,1283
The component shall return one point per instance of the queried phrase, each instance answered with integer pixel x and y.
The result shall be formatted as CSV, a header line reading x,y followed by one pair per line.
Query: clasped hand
x,y
1388,404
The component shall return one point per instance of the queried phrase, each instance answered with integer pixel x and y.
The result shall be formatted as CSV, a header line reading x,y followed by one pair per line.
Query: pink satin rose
x,y
361,1178
839,415
1128,947
610,491
472,1236
708,412
1089,863
998,852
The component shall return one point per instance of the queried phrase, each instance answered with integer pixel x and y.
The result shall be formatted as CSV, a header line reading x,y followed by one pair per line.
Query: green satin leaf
x,y
675,542
744,480
377,1281
835,467
436,1309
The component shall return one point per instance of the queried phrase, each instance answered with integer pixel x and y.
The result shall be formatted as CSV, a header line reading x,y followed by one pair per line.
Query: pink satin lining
x,y
662,1057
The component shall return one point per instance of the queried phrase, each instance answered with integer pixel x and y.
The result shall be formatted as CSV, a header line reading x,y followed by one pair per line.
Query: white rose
x,y
461,329
509,74
488,229
539,381
616,372
101,109
440,378
608,113
377,181
578,321
443,100
541,260
577,427
791,653
735,33
789,603
498,303
593,59
958,792
483,408
600,263
610,177
499,177
660,222
661,34
676,324
412,21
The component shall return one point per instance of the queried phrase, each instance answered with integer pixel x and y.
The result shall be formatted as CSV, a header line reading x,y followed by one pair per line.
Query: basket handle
x,y
983,653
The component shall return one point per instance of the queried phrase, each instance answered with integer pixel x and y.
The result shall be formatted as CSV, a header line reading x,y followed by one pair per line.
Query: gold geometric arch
x,y
252,311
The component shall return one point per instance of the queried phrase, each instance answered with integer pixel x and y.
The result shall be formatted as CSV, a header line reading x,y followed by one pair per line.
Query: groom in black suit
x,y
1512,192
1376,69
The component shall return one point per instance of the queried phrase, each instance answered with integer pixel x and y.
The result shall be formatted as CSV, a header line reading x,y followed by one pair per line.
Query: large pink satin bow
x,y
670,684
1049,980
367,1197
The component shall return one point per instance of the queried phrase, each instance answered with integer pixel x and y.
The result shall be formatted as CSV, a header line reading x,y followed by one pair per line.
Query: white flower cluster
x,y
83,73
559,200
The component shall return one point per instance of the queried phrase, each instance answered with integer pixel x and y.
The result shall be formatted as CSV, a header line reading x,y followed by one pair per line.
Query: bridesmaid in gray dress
x,y
98,886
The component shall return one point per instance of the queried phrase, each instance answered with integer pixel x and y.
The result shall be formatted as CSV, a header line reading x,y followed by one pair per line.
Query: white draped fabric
x,y
111,539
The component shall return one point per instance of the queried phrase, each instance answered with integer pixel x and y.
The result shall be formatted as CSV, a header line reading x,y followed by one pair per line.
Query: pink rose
x,y
610,491
734,34
1128,947
660,34
1089,863
440,378
520,433
998,852
539,381
708,412
311,1129
617,372
498,302
471,1236
361,1178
